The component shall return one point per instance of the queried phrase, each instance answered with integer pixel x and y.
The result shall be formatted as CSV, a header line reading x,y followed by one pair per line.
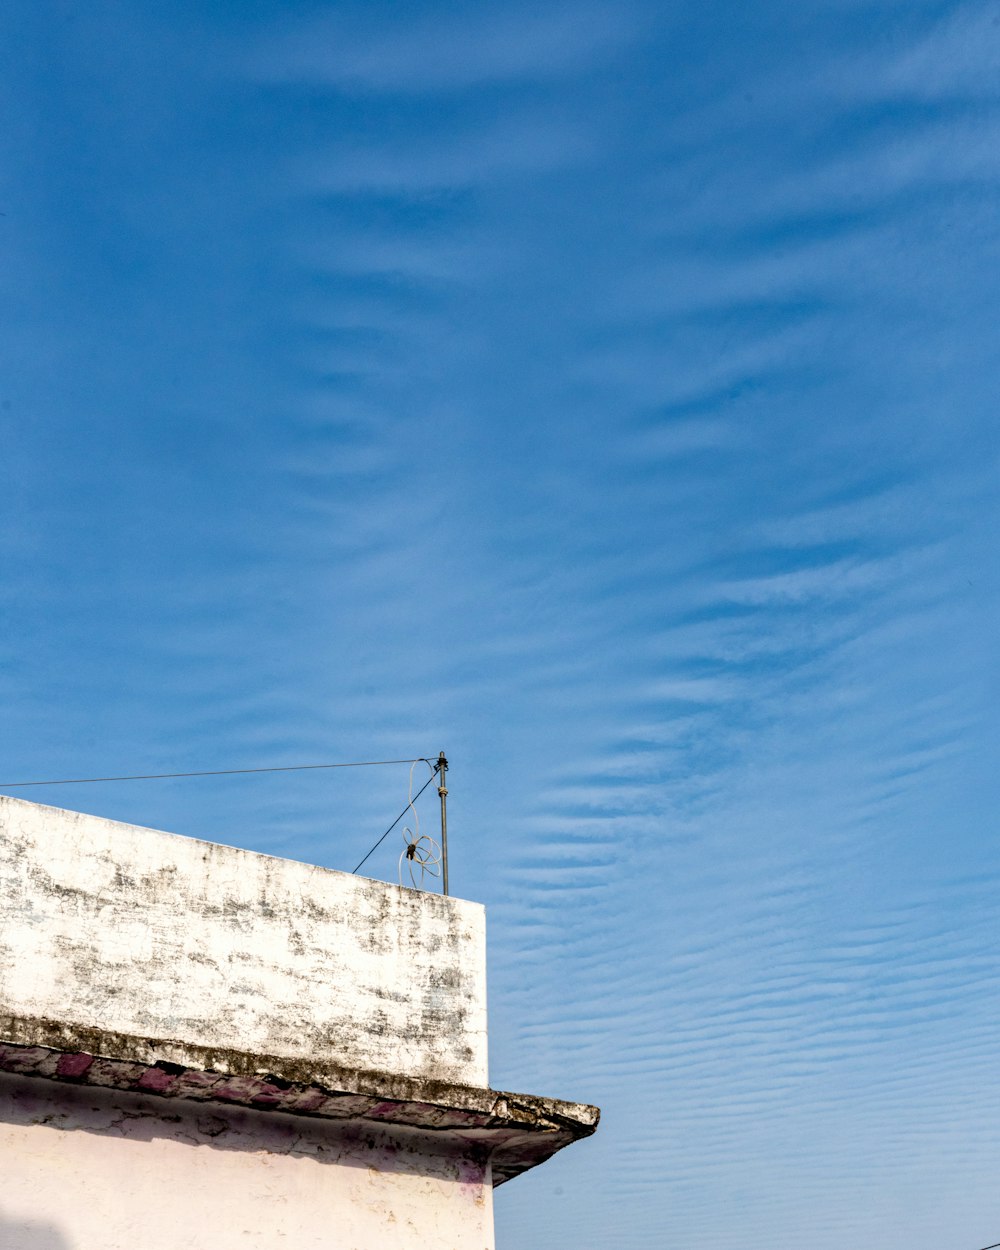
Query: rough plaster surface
x,y
98,1169
114,928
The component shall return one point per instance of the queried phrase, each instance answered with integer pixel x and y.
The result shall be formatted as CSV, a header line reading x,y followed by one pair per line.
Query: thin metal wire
x,y
237,772
215,772
398,818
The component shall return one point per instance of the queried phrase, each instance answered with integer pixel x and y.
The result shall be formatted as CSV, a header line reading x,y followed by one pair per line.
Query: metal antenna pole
x,y
442,768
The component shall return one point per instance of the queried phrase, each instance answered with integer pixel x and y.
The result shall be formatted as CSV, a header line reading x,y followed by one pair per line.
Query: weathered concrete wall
x,y
87,1169
111,927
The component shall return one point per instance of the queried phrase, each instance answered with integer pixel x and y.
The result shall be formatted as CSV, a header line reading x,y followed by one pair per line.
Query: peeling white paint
x,y
114,927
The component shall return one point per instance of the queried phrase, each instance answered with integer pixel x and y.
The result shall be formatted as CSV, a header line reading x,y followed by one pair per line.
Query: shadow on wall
x,y
29,1235
60,1106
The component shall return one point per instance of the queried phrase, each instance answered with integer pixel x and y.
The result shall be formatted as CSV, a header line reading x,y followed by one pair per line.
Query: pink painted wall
x,y
94,1169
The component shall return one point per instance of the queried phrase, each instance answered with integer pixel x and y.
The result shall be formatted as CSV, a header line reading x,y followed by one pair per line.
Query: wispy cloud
x,y
435,51
605,394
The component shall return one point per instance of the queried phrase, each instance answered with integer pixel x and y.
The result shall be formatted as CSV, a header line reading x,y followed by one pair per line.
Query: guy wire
x,y
215,772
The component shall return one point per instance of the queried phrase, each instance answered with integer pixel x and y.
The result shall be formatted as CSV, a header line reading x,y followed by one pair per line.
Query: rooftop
x,y
142,960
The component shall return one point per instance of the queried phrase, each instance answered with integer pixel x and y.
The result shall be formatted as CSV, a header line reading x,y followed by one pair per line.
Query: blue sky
x,y
606,394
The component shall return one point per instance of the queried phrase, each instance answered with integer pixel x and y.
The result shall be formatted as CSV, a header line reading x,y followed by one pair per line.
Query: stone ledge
x,y
519,1130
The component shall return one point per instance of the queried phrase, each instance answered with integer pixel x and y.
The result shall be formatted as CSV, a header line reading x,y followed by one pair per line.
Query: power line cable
x,y
400,816
215,772
993,1247
237,772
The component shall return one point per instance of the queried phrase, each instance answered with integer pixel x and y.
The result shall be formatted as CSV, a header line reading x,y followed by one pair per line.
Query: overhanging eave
x,y
519,1131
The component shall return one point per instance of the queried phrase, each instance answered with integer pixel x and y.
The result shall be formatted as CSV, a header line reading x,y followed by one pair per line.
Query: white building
x,y
202,1048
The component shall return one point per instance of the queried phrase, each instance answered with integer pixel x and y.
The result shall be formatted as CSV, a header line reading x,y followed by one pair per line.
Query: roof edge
x,y
518,1130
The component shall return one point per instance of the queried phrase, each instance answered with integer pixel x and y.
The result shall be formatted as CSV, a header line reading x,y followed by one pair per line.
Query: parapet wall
x,y
116,929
